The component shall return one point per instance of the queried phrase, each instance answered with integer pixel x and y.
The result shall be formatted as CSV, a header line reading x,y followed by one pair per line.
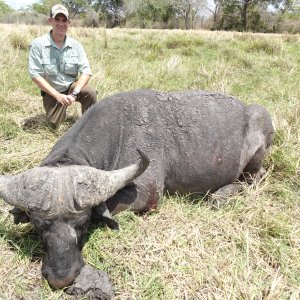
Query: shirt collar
x,y
50,41
68,42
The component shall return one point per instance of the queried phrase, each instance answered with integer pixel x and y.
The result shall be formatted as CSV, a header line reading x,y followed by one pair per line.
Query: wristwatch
x,y
75,94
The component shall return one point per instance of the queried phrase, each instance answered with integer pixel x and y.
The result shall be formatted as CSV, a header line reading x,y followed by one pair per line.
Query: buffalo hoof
x,y
93,284
223,195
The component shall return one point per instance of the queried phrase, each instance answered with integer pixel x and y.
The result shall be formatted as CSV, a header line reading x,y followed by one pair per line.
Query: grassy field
x,y
249,249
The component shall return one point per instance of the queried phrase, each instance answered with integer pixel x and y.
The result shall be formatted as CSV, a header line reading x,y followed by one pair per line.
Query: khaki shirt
x,y
60,67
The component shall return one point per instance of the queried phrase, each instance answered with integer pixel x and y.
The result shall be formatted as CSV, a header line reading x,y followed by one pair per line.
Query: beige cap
x,y
58,9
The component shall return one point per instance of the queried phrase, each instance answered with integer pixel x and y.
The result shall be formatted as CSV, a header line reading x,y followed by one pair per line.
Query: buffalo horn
x,y
30,190
5,189
66,189
95,188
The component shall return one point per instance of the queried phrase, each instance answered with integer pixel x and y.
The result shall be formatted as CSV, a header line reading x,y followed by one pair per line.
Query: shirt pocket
x,y
71,66
50,67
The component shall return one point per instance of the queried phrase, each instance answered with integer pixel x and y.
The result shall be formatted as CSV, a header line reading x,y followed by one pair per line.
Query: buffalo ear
x,y
20,216
102,214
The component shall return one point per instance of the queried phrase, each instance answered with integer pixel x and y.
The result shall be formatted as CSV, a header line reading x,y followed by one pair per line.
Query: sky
x,y
17,4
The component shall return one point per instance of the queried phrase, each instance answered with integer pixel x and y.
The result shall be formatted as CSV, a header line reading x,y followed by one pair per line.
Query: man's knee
x,y
55,112
93,96
87,97
89,93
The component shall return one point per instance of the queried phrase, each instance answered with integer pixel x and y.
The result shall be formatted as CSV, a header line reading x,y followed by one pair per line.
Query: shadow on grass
x,y
40,121
35,122
24,240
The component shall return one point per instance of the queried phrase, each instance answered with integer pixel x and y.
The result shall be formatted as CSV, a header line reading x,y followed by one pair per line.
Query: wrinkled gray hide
x,y
196,141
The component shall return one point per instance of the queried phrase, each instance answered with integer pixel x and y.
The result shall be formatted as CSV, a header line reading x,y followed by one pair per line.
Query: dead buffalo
x,y
196,142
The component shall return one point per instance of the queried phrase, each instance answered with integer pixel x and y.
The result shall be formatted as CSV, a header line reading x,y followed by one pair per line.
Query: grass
x,y
249,249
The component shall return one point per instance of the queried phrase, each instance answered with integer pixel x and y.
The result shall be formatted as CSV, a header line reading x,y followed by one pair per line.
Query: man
x,y
55,62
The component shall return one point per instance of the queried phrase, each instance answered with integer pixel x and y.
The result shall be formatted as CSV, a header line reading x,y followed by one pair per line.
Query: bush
x,y
91,19
24,18
269,46
19,41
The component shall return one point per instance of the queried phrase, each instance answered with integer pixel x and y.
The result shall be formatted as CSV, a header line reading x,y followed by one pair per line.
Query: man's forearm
x,y
82,81
45,86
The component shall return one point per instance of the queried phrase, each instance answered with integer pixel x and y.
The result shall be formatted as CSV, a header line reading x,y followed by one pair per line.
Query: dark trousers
x,y
56,112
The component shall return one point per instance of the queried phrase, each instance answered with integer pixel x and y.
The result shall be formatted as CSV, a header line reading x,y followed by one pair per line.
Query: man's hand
x,y
65,100
71,99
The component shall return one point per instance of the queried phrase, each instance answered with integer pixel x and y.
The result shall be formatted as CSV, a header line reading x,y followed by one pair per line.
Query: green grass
x,y
249,249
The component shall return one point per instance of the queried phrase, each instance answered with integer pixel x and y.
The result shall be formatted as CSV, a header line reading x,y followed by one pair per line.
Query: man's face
x,y
60,24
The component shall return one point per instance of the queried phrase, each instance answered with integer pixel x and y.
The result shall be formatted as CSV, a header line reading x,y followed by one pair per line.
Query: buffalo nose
x,y
58,282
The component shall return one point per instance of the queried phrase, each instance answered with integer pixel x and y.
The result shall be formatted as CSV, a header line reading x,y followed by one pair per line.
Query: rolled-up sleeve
x,y
83,62
35,62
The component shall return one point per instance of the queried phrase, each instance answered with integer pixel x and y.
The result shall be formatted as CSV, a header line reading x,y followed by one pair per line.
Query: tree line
x,y
240,15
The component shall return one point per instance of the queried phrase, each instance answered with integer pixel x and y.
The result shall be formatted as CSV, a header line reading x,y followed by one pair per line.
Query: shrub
x,y
269,46
19,41
183,41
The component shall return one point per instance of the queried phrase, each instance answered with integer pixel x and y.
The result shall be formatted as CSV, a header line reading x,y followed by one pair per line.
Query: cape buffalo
x,y
196,142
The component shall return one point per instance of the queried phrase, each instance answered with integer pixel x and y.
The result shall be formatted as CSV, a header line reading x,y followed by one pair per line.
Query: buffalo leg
x,y
254,172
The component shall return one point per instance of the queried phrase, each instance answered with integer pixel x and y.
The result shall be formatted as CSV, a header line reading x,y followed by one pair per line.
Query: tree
x,y
149,11
40,8
188,10
215,9
44,6
239,10
4,8
284,5
112,10
76,7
